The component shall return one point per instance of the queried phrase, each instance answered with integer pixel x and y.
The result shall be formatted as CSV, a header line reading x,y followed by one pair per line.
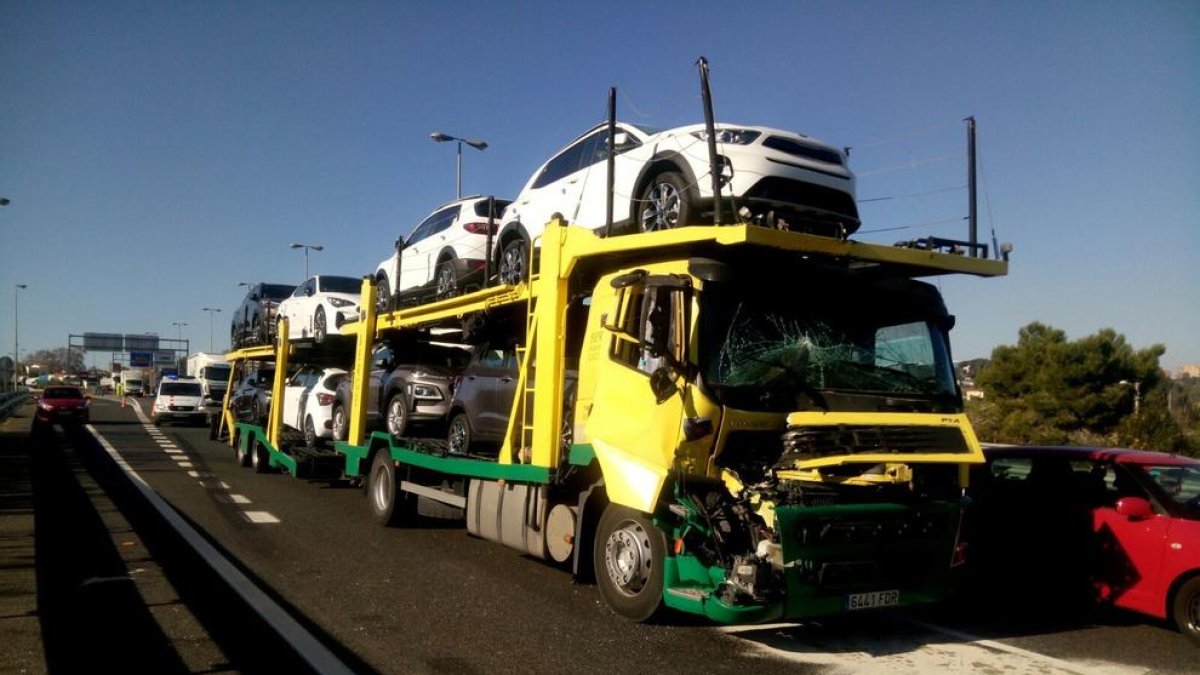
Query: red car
x,y
1119,527
63,404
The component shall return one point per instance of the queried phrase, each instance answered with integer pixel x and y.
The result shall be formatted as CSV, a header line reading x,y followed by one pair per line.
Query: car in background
x,y
483,400
1090,525
410,385
253,321
179,400
320,306
308,397
662,180
251,400
67,405
443,255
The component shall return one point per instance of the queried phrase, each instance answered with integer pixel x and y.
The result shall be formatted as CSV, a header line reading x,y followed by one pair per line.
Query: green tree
x,y
1047,389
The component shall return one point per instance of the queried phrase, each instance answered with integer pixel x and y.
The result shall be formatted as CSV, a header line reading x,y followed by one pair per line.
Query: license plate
x,y
872,600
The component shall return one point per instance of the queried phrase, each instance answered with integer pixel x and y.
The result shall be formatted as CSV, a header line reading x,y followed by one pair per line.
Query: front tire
x,y
310,433
628,556
383,295
459,435
397,415
240,454
319,326
389,506
514,262
664,204
260,458
1186,609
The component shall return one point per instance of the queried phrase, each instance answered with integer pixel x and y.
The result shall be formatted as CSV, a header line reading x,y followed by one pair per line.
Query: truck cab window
x,y
648,335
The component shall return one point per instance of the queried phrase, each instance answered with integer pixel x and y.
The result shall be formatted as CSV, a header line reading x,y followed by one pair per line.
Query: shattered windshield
x,y
787,352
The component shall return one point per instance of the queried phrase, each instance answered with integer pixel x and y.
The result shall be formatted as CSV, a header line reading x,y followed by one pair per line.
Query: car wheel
x,y
389,506
239,453
459,435
628,558
341,424
514,262
1186,609
664,203
319,326
447,283
397,415
383,295
260,458
310,433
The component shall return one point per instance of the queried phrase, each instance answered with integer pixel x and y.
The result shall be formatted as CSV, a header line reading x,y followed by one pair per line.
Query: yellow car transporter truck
x,y
738,422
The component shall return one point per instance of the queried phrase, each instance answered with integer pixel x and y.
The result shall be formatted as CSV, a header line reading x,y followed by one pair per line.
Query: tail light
x,y
324,399
478,228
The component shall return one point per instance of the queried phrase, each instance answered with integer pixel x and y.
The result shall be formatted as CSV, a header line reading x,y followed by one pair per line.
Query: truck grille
x,y
808,442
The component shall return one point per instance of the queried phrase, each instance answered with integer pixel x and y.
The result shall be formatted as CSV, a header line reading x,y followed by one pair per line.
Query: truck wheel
x,y
239,453
1186,609
389,506
447,283
459,435
663,204
514,262
383,295
319,326
397,415
260,458
628,558
341,425
310,433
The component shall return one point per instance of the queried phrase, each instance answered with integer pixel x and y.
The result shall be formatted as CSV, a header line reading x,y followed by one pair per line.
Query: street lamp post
x,y
17,333
211,311
1137,394
307,247
439,137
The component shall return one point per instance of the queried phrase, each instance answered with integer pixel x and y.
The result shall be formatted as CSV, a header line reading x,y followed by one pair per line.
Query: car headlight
x,y
425,391
340,302
732,136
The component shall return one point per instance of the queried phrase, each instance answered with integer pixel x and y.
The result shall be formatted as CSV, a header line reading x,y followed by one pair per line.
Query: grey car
x,y
410,385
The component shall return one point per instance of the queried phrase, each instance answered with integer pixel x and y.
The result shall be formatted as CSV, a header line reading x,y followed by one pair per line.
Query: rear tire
x,y
628,558
446,281
514,262
383,295
240,454
320,326
341,424
310,433
389,506
1186,609
260,458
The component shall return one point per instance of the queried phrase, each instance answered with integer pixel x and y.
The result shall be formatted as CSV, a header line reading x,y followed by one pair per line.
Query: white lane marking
x,y
900,654
195,474
225,485
234,499
168,444
315,654
260,517
172,452
184,465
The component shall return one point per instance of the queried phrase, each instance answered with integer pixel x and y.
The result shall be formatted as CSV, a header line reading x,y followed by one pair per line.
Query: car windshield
x,y
216,372
349,285
180,389
432,355
276,291
62,392
1179,483
779,351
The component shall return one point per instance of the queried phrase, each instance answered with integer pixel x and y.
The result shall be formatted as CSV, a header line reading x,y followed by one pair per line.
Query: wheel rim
x,y
661,211
319,325
310,433
382,295
446,285
396,415
458,436
1192,613
512,265
628,558
339,424
380,493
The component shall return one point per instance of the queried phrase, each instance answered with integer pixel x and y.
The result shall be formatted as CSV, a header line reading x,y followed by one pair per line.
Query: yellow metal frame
x,y
277,353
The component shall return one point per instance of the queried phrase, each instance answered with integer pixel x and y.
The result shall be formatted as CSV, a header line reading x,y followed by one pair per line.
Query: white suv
x,y
308,402
662,180
178,400
320,306
443,254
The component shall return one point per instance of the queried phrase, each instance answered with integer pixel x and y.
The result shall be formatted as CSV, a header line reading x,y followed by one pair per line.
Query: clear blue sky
x,y
156,153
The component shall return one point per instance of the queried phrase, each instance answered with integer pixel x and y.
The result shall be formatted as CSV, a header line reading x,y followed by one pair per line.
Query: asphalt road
x,y
433,599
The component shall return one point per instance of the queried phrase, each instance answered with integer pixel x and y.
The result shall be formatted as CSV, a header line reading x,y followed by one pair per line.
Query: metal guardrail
x,y
12,400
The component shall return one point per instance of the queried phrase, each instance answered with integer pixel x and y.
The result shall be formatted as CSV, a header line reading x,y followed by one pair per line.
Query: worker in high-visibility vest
x,y
121,392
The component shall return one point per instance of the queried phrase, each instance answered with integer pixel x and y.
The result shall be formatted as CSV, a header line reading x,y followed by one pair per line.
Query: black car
x,y
253,321
410,384
251,400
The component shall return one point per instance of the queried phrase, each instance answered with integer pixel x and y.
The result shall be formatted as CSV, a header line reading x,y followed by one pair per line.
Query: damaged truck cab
x,y
778,433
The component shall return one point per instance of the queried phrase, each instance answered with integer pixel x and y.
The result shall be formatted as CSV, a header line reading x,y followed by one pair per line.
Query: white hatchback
x,y
443,255
320,306
308,402
662,179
